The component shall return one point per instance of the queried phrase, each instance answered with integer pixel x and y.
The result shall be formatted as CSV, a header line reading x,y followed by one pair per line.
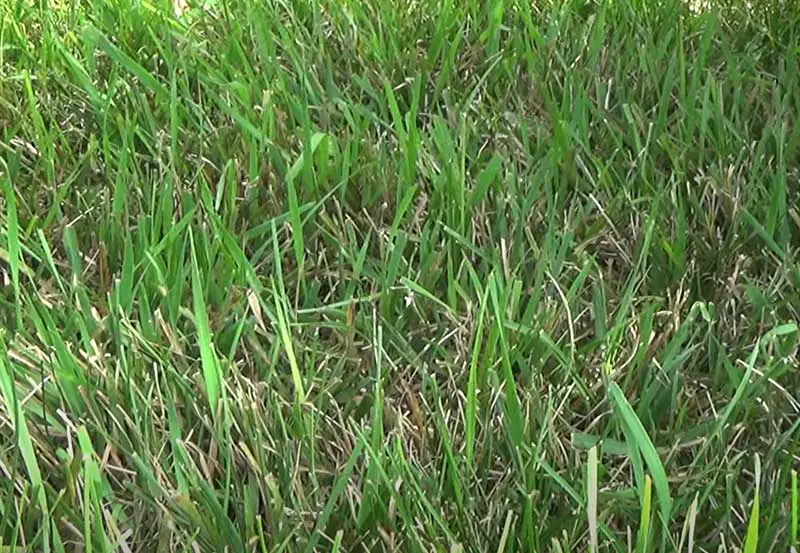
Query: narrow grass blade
x,y
288,346
751,539
645,446
485,180
417,289
125,286
795,507
338,488
14,250
208,358
644,519
282,320
591,498
337,541
501,547
692,523
80,75
516,427
24,442
294,206
472,385
120,57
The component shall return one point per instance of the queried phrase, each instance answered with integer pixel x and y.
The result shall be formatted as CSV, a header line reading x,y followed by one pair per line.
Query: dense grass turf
x,y
374,275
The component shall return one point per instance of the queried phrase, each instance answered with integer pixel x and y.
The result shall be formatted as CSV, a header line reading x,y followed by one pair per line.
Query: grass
x,y
399,276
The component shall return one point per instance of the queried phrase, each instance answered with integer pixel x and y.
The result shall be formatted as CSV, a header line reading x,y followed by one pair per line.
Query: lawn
x,y
373,275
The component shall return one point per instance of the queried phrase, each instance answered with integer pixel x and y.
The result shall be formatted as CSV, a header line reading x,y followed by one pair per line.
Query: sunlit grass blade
x,y
516,427
642,441
23,439
288,345
591,498
212,376
751,539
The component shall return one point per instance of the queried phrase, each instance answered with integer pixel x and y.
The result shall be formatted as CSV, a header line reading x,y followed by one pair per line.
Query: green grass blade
x,y
795,508
24,442
338,488
288,345
99,39
13,241
294,206
212,376
644,518
516,428
645,445
472,386
591,498
751,539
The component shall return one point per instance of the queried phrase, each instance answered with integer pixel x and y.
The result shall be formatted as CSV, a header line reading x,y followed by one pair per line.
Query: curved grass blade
x,y
637,432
